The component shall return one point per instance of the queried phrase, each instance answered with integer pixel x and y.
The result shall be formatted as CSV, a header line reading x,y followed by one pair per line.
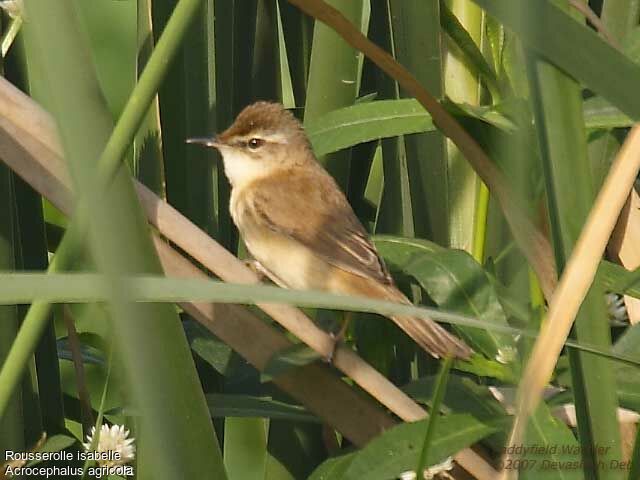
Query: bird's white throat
x,y
242,169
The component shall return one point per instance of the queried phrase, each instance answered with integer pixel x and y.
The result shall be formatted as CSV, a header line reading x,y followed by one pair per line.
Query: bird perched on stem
x,y
298,225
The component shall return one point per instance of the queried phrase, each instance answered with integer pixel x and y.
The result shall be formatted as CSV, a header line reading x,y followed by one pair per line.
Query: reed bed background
x,y
471,138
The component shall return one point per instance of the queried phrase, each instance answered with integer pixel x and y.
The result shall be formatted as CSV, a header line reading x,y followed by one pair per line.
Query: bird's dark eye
x,y
255,143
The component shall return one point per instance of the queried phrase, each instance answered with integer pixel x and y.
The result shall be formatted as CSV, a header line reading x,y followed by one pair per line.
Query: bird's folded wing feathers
x,y
330,228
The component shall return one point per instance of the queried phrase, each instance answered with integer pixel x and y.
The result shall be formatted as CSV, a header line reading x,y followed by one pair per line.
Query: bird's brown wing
x,y
312,210
308,207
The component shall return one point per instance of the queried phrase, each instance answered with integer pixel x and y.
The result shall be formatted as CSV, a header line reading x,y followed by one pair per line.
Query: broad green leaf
x,y
373,120
365,122
397,450
456,282
228,405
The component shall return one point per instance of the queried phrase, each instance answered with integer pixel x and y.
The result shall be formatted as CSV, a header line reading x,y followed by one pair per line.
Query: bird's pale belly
x,y
292,263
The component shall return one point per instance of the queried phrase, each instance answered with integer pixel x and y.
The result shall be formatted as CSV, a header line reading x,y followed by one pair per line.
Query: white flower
x,y
14,8
430,472
113,442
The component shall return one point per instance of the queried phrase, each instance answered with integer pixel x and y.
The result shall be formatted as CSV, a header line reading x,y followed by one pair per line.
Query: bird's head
x,y
263,138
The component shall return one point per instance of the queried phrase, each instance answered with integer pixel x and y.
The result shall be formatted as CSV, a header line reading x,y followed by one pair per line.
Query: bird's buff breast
x,y
292,263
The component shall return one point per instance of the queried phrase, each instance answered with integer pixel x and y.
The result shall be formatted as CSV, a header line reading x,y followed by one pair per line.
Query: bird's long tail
x,y
432,337
428,334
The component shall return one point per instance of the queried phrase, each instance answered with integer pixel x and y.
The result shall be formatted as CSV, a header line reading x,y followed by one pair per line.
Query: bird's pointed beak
x,y
206,141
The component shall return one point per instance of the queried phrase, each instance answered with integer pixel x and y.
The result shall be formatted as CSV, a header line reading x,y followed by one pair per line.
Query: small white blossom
x,y
112,440
431,472
14,8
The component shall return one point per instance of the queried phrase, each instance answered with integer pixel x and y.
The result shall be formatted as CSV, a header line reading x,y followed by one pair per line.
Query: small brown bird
x,y
298,225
